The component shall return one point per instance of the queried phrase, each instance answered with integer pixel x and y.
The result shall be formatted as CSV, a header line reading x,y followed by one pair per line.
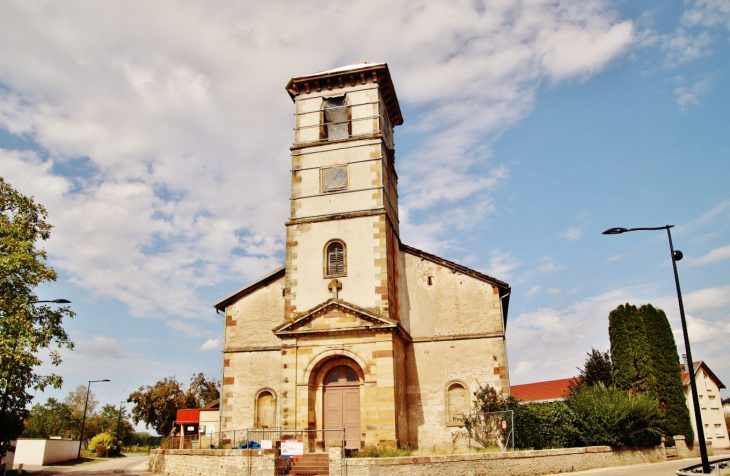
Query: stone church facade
x,y
358,330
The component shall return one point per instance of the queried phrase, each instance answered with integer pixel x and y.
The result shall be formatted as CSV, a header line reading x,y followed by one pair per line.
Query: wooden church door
x,y
342,404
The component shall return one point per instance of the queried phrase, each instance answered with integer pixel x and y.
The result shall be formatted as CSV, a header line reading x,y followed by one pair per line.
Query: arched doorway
x,y
342,404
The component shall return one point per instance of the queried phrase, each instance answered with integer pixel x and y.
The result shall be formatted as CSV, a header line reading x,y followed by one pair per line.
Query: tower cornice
x,y
339,78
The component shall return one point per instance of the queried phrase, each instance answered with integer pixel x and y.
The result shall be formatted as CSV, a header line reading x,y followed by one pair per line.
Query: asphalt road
x,y
132,464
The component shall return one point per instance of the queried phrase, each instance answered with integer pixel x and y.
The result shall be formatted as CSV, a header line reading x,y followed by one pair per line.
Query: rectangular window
x,y
336,118
334,178
713,401
707,432
718,430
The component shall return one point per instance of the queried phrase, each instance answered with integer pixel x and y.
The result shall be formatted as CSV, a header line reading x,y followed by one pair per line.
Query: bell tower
x,y
342,235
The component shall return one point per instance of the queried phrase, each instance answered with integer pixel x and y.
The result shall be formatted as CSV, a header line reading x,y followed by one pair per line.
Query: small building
x,y
542,392
200,425
45,451
708,392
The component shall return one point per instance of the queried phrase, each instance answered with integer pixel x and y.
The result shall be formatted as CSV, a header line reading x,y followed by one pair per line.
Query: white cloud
x,y
100,348
689,95
534,290
554,291
708,299
717,254
572,234
176,136
682,46
501,264
211,344
708,13
546,268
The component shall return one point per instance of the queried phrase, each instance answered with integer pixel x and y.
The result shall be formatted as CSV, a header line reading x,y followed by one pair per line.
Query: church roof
x,y
249,288
337,77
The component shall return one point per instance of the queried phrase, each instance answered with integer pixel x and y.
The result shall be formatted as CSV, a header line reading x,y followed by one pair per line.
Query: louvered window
x,y
335,265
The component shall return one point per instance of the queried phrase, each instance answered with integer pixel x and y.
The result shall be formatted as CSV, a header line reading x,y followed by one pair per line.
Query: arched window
x,y
457,403
335,260
265,409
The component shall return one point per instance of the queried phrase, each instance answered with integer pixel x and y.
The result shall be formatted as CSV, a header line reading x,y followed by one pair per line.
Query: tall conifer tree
x,y
665,362
630,351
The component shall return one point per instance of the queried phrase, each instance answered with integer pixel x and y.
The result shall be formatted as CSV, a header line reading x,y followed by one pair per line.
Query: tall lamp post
x,y
83,421
676,256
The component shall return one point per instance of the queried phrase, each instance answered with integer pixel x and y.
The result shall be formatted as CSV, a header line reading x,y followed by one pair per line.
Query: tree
x,y
597,368
630,352
207,390
25,327
157,405
675,418
54,418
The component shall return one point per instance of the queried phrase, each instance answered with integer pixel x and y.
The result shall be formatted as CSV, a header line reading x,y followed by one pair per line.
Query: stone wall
x,y
518,463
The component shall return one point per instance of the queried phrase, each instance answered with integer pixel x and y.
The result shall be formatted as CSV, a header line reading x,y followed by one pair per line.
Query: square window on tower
x,y
334,178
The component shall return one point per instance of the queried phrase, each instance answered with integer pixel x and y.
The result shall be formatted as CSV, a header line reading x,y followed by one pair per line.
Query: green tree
x,y
53,418
667,373
157,405
25,327
630,352
597,368
545,425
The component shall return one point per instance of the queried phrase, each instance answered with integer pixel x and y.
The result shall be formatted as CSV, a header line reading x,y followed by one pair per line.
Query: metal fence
x,y
293,452
491,429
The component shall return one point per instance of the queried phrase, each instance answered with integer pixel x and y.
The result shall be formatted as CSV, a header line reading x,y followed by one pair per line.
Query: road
x,y
132,464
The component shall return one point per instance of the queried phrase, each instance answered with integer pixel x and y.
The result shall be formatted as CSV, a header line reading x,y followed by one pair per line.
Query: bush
x,y
545,425
606,416
105,443
372,451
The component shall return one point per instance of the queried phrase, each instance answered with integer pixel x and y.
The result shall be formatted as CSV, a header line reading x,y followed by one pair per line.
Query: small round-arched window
x,y
335,260
342,375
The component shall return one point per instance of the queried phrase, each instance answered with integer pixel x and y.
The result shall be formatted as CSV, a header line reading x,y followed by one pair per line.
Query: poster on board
x,y
292,449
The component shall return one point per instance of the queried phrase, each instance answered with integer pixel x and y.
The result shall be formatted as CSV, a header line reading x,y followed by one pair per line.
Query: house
x,y
708,393
198,424
542,392
358,331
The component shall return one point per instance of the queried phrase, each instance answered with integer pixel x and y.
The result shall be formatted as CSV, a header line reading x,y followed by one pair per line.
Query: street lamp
x,y
676,256
83,421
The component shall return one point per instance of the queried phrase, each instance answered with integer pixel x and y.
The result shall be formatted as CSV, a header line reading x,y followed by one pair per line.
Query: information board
x,y
292,449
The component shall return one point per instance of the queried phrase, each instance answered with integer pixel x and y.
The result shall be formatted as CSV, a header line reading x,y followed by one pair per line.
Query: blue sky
x,y
157,136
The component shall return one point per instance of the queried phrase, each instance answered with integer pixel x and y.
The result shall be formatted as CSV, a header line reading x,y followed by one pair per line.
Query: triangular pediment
x,y
332,316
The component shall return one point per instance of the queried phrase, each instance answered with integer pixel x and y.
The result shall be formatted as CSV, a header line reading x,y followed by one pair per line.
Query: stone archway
x,y
339,399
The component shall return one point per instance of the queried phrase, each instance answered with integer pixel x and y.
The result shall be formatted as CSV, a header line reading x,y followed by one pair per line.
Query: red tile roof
x,y
542,391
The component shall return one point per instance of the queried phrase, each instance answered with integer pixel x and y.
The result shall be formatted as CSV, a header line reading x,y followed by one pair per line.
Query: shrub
x,y
545,425
606,416
372,451
107,441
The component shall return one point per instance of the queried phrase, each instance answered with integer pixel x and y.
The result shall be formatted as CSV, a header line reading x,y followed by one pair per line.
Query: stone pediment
x,y
334,315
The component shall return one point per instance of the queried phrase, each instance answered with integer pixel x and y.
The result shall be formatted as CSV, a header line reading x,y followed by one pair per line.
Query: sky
x,y
157,135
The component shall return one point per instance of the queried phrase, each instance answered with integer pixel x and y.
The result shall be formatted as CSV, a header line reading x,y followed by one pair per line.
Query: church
x,y
358,330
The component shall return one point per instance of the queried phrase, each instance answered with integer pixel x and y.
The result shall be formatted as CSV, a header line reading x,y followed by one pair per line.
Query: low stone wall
x,y
691,451
518,463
